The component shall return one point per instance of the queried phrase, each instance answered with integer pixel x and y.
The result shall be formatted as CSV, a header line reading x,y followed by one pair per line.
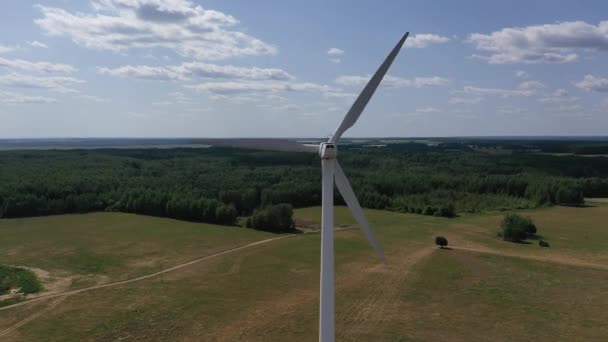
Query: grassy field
x,y
270,292
501,299
111,246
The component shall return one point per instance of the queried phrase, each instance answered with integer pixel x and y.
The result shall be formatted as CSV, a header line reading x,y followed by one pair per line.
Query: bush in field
x,y
441,241
516,228
543,243
273,218
13,277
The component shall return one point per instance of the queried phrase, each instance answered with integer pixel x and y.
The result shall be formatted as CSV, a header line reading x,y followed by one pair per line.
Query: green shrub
x,y
516,228
13,277
543,243
441,241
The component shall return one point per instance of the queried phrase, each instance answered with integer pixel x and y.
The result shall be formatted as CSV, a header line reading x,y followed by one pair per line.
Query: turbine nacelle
x,y
328,151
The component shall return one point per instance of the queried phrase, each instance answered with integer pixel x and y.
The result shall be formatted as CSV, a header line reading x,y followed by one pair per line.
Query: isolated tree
x,y
516,228
441,241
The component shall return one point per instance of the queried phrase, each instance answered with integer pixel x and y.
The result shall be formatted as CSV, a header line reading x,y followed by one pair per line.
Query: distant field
x,y
499,290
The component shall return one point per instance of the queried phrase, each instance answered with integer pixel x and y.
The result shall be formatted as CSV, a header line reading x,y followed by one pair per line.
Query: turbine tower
x,y
331,172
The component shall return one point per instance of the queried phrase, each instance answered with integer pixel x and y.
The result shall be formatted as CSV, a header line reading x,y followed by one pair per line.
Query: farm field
x,y
268,292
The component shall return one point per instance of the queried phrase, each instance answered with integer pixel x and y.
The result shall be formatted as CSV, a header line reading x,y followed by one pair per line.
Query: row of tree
x,y
218,185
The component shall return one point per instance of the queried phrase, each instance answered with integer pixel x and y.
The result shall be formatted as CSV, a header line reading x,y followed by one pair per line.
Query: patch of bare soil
x,y
307,225
52,282
58,282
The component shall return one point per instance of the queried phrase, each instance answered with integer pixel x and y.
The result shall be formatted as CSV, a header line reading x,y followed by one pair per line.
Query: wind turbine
x,y
331,172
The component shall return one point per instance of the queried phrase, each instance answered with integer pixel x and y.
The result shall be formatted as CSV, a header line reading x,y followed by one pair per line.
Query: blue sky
x,y
179,68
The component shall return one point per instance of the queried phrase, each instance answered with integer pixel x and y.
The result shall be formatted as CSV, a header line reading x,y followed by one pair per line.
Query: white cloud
x,y
92,98
228,71
176,97
38,44
240,87
511,110
417,113
268,88
6,49
592,83
231,87
59,84
425,40
567,110
335,52
551,43
427,110
562,104
504,93
177,25
394,82
35,66
288,107
463,100
142,72
558,96
530,85
521,74
190,70
17,98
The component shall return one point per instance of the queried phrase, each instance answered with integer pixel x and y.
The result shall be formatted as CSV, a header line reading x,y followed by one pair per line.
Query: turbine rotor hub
x,y
328,151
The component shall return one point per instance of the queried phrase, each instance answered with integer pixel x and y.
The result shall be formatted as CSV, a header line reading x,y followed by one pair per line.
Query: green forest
x,y
220,185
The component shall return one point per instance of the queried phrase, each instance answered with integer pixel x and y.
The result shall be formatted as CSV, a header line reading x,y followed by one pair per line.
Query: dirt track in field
x,y
32,317
550,259
152,275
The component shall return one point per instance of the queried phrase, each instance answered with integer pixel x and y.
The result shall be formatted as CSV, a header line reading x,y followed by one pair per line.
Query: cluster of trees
x,y
218,185
516,228
276,218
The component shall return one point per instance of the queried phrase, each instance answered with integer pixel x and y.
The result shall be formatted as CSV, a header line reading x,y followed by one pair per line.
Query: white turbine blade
x,y
359,105
326,305
267,144
349,197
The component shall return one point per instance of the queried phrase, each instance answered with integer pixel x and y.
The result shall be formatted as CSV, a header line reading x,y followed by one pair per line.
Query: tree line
x,y
218,185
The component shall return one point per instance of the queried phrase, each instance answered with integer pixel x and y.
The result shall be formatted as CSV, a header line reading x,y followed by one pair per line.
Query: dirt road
x,y
152,275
